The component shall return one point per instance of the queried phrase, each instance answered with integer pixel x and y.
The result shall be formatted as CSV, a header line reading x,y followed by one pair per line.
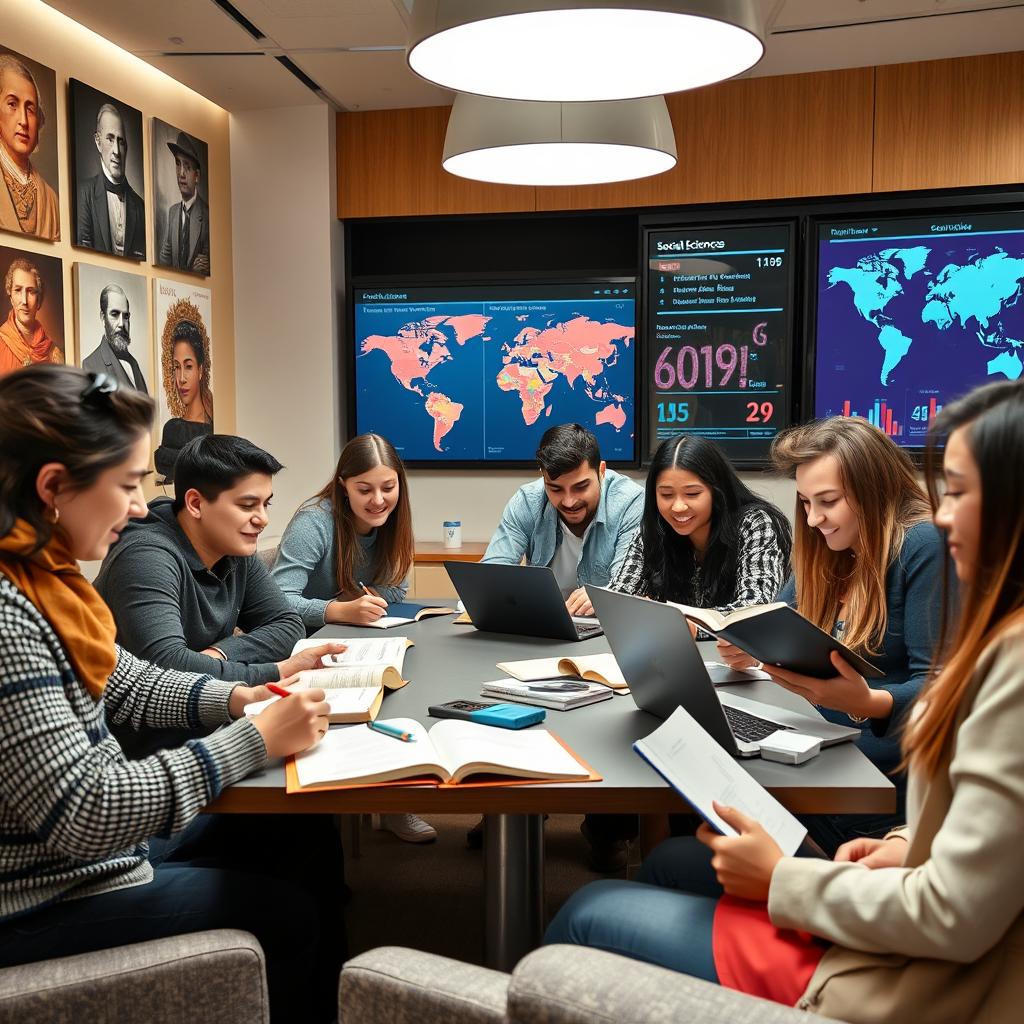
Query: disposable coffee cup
x,y
452,535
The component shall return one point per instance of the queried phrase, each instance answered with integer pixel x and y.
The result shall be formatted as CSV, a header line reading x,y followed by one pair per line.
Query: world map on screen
x,y
932,317
465,381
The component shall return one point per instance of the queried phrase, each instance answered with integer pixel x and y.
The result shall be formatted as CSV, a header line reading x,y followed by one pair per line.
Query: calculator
x,y
505,716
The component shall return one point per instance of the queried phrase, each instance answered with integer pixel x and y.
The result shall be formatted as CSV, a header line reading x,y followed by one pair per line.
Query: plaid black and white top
x,y
74,814
760,567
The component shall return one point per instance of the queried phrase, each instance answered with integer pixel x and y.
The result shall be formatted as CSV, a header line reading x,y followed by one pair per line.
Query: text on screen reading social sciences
x,y
718,335
478,373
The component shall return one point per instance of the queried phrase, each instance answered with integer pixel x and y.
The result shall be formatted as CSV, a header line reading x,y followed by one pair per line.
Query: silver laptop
x,y
522,599
663,667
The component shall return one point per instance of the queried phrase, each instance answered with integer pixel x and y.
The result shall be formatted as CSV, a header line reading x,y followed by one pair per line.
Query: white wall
x,y
287,265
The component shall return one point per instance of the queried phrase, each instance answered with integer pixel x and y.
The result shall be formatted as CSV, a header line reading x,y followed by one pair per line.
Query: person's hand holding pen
x,y
360,611
293,725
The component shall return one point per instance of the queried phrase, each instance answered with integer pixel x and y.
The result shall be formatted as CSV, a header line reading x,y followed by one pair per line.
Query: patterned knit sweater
x,y
74,814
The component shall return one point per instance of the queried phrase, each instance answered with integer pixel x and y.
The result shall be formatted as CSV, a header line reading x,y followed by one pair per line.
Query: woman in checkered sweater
x,y
706,539
76,872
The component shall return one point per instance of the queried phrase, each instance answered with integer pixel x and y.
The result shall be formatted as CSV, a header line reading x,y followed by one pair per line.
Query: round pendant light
x,y
589,50
516,142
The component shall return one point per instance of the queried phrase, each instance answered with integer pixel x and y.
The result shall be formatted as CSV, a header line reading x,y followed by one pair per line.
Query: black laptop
x,y
662,664
521,599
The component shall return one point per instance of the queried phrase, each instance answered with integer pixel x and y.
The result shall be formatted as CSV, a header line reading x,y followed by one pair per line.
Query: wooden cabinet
x,y
429,578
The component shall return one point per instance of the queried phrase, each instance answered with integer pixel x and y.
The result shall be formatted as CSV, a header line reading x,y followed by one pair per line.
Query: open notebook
x,y
449,753
356,679
595,668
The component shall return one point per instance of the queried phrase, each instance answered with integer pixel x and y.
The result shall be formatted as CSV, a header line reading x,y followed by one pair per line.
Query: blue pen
x,y
390,730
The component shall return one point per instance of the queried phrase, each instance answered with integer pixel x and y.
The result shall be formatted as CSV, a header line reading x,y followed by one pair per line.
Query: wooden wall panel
x,y
950,123
389,165
755,138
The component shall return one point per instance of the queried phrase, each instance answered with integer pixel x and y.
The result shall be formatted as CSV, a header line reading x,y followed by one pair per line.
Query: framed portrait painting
x,y
29,183
109,210
32,325
113,332
185,392
181,199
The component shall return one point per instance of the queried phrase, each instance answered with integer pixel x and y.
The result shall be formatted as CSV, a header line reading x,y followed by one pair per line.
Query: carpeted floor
x,y
430,896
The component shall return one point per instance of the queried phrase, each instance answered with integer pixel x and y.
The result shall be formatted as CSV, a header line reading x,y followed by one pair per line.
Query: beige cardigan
x,y
940,940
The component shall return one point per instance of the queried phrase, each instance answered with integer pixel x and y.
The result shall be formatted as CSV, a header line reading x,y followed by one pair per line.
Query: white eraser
x,y
789,747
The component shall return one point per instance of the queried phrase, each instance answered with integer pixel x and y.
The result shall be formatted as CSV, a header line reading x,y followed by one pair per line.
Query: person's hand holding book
x,y
847,691
308,658
744,863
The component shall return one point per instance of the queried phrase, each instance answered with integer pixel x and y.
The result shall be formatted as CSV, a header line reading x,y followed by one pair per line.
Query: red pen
x,y
279,691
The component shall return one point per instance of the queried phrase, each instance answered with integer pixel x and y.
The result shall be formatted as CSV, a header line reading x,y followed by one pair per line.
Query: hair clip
x,y
99,389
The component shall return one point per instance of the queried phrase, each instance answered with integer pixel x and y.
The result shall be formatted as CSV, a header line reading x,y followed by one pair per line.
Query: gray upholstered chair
x,y
216,977
552,985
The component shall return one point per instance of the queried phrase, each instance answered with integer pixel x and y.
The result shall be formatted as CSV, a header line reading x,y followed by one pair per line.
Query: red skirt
x,y
754,956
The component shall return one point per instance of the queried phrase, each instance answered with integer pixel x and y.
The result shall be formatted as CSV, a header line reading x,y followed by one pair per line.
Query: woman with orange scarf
x,y
75,817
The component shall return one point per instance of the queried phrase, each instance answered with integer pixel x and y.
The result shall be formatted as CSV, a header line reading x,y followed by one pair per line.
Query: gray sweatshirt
x,y
168,606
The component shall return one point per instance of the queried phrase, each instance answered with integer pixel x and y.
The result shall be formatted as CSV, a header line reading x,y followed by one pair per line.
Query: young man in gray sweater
x,y
180,581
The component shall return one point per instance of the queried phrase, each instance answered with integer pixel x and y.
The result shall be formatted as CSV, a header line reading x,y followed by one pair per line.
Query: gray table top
x,y
450,661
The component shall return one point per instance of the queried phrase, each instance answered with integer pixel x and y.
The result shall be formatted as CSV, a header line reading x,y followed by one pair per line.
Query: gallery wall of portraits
x,y
114,221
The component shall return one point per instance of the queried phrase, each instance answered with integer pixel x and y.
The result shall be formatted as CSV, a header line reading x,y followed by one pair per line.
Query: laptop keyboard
x,y
748,728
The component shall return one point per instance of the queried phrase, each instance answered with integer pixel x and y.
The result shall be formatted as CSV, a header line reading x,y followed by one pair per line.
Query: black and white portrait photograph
x,y
106,173
112,325
31,309
181,199
29,197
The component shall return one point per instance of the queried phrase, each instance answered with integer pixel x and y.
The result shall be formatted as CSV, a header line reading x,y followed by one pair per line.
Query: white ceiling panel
x,y
238,83
148,25
804,13
301,24
368,81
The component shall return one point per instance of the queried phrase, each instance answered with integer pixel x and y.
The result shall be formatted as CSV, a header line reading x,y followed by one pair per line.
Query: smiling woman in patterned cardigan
x,y
77,869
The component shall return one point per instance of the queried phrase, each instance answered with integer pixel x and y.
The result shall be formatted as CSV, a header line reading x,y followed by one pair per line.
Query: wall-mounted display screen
x,y
718,335
915,311
476,374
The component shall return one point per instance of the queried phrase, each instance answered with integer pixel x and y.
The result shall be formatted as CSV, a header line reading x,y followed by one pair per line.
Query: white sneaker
x,y
407,827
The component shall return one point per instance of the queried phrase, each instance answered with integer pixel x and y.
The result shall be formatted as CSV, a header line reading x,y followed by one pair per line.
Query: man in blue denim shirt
x,y
578,518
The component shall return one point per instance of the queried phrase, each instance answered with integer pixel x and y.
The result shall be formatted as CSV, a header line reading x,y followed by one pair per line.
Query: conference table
x,y
448,662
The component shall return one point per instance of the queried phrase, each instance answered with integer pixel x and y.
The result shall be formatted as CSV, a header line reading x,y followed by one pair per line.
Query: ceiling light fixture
x,y
516,142
583,51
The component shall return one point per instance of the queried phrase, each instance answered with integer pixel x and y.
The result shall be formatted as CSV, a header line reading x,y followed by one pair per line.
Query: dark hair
x,y
394,548
565,447
992,418
214,463
44,418
670,560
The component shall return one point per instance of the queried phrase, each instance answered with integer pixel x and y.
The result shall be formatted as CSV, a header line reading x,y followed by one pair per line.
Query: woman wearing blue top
x,y
357,530
354,535
867,566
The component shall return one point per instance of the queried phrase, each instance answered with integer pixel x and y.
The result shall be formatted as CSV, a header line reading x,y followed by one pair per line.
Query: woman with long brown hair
x,y
866,567
346,556
936,936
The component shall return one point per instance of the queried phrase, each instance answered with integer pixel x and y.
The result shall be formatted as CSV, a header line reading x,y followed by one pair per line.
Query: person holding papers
x,y
923,924
78,872
346,556
181,580
867,564
706,540
578,517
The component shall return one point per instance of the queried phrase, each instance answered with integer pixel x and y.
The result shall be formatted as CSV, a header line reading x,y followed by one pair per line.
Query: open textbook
x,y
776,634
701,771
403,613
449,753
354,680
596,668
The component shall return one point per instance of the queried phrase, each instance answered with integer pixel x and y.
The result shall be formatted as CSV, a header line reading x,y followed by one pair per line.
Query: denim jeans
x,y
665,917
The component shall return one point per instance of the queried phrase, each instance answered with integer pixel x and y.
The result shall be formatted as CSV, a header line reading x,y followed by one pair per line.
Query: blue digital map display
x,y
466,374
916,312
